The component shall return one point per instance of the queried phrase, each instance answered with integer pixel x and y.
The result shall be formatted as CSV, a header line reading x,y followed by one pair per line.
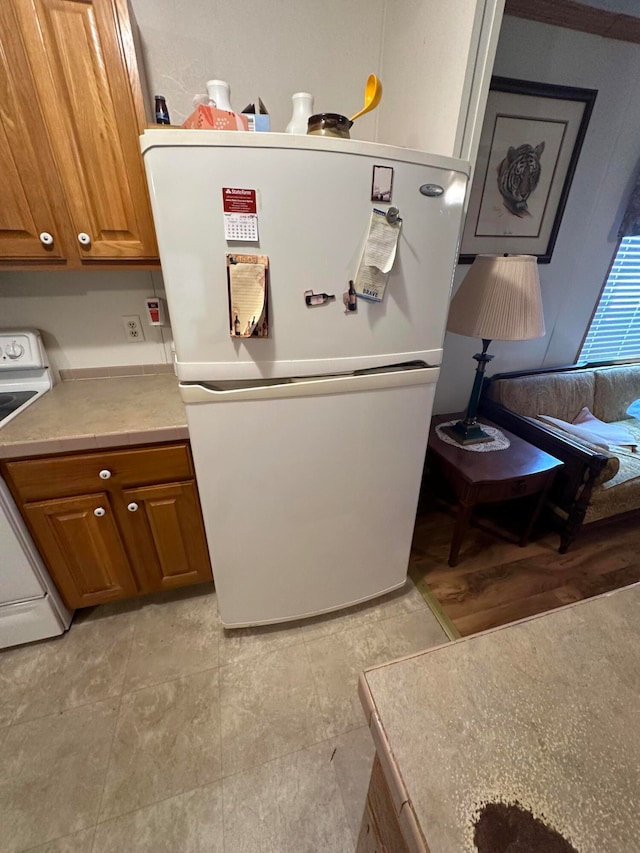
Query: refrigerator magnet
x,y
240,214
312,299
350,299
247,284
382,183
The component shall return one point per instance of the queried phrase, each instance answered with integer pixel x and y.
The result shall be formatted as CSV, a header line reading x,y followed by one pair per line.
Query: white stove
x,y
30,606
24,372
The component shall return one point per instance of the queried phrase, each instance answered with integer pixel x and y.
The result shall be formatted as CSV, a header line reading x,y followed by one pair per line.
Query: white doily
x,y
500,440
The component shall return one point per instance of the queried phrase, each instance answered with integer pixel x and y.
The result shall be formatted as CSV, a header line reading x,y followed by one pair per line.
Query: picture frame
x,y
529,148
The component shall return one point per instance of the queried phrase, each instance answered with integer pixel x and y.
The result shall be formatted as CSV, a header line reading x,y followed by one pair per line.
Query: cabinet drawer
x,y
517,488
62,476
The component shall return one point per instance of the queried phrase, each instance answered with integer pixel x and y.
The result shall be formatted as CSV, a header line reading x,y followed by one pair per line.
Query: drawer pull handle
x,y
84,239
46,239
105,474
99,511
132,507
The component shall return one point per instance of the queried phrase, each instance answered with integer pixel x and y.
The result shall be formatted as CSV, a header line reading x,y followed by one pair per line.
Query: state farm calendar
x,y
240,214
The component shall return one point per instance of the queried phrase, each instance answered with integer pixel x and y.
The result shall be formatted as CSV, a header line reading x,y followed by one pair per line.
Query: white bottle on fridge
x,y
302,109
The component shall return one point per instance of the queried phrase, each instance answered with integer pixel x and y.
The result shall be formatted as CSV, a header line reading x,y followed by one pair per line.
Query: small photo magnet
x,y
382,183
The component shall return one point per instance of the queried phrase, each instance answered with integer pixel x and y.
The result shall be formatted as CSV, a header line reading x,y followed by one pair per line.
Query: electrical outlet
x,y
133,328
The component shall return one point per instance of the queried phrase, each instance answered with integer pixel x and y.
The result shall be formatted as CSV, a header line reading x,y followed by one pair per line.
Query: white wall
x,y
267,49
586,241
80,314
424,63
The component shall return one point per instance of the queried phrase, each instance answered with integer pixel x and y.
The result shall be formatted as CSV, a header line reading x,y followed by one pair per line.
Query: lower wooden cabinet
x,y
104,537
81,543
165,533
380,830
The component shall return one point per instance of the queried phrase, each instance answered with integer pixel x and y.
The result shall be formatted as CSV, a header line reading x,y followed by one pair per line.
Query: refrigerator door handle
x,y
310,386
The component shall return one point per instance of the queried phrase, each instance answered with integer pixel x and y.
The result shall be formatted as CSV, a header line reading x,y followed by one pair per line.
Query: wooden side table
x,y
491,476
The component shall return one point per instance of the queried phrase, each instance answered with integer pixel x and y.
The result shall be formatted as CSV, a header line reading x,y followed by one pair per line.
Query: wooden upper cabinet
x,y
30,193
83,68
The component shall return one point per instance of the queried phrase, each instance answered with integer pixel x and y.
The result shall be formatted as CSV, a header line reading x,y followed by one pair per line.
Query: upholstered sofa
x,y
599,479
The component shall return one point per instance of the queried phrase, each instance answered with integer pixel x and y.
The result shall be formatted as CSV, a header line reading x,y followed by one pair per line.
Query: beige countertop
x,y
545,712
86,414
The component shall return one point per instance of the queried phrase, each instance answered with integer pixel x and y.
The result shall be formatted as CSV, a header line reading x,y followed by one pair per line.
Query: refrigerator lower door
x,y
309,488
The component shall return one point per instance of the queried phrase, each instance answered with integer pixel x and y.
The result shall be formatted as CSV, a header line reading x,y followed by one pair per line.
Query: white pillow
x,y
590,428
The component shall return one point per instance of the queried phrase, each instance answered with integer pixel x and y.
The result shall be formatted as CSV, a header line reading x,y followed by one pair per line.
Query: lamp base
x,y
467,433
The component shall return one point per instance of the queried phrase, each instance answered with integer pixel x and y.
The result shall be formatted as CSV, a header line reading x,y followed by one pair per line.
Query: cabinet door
x,y
79,50
166,536
29,188
82,548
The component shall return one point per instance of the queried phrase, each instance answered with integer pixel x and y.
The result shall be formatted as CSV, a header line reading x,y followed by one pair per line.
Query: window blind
x,y
614,332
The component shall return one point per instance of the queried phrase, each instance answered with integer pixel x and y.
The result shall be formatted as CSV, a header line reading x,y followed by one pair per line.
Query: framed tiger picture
x,y
529,149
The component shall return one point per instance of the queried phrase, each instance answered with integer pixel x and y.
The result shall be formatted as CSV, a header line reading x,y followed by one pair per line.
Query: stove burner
x,y
10,402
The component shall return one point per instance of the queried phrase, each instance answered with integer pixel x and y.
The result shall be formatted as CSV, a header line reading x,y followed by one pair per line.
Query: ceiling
x,y
612,19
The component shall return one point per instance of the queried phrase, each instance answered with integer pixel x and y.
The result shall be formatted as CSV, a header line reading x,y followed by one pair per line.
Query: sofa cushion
x,y
607,502
561,395
615,389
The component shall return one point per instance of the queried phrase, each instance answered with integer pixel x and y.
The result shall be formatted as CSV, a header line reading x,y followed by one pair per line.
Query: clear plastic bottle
x,y
302,109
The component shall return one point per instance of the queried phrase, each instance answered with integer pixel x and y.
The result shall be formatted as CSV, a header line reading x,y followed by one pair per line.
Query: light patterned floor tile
x,y
16,670
405,600
289,805
337,661
85,665
413,632
188,823
341,620
401,601
238,645
269,708
175,635
80,842
167,741
51,775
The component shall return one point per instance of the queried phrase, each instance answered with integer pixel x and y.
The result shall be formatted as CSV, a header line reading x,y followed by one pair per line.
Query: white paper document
x,y
382,242
378,257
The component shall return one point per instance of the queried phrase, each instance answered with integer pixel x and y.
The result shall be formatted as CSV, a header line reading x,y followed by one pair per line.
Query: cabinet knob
x,y
132,507
105,474
99,511
84,239
46,239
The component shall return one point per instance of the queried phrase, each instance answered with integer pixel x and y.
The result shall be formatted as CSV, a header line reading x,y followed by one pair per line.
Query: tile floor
x,y
148,728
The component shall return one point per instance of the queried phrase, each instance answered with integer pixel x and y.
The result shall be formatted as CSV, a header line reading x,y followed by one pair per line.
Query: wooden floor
x,y
497,582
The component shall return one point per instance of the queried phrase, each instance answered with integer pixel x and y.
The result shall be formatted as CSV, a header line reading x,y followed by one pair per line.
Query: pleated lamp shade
x,y
499,300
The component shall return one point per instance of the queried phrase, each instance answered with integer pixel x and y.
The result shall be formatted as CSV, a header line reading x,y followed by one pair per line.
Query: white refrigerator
x,y
308,436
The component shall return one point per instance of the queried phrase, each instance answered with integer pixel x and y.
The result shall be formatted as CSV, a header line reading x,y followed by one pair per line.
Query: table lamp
x,y
499,299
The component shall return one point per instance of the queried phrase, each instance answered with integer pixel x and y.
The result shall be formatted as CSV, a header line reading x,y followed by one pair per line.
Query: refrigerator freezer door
x,y
314,208
311,490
